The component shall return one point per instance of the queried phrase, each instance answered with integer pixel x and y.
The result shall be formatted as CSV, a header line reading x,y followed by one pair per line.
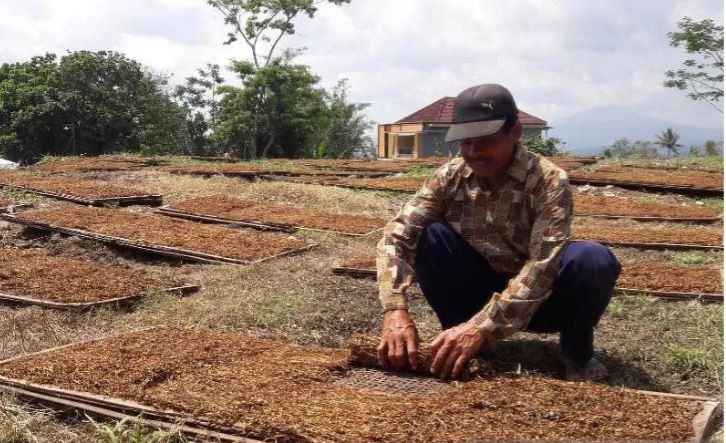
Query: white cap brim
x,y
460,131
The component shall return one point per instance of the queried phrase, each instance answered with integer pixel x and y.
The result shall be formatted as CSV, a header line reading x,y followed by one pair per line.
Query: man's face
x,y
490,156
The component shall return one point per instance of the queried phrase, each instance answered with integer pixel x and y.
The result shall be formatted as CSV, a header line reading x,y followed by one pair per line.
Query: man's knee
x,y
592,260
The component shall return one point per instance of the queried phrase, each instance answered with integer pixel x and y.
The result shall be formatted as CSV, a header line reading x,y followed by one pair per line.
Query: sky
x,y
558,57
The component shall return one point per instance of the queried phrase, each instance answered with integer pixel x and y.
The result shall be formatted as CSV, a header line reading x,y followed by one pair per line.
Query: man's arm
x,y
512,310
396,251
396,254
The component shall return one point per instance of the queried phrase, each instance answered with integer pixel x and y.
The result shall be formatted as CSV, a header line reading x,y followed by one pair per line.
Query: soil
x,y
702,235
87,189
671,278
35,274
586,204
284,392
153,230
278,215
91,164
690,178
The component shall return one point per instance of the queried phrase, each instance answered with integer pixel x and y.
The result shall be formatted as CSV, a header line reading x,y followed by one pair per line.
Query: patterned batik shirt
x,y
521,229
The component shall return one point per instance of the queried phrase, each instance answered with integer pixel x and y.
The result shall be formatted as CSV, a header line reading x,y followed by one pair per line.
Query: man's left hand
x,y
454,348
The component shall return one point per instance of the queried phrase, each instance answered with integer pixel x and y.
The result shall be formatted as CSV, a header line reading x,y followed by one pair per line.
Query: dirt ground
x,y
647,344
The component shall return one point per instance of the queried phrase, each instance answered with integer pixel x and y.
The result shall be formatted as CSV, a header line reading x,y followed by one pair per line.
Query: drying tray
x,y
671,246
651,186
266,226
127,300
149,199
655,218
666,295
156,249
704,422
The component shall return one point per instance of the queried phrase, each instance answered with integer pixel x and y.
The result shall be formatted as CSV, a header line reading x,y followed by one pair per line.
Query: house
x,y
421,134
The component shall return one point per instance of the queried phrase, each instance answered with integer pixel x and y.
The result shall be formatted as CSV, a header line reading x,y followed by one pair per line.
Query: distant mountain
x,y
591,131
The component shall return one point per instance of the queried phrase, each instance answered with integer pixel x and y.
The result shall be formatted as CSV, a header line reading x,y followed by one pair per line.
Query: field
x,y
650,344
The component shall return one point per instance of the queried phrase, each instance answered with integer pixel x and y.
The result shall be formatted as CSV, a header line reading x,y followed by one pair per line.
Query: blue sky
x,y
559,57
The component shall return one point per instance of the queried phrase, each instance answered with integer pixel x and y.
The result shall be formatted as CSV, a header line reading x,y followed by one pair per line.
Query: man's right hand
x,y
399,341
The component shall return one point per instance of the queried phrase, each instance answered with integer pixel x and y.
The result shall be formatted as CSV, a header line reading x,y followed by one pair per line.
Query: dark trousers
x,y
457,282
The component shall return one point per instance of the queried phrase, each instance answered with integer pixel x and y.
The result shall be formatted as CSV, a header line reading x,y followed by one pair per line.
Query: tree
x,y
200,96
703,75
624,148
710,147
261,24
279,108
542,146
345,131
86,103
668,139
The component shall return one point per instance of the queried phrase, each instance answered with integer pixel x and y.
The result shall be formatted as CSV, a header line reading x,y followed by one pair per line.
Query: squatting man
x,y
487,237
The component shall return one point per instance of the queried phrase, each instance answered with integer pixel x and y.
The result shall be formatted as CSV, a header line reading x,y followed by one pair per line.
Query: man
x,y
487,237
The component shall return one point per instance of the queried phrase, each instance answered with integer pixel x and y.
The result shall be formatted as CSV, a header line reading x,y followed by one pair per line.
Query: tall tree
x,y
344,134
669,139
200,95
261,25
279,106
702,75
86,103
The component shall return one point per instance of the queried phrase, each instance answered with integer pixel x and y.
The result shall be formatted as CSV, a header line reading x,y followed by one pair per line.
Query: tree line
x,y
101,102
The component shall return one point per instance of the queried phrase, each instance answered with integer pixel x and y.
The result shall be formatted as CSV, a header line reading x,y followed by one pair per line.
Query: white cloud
x,y
558,57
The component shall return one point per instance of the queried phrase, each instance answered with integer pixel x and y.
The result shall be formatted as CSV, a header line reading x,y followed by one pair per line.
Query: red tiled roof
x,y
442,111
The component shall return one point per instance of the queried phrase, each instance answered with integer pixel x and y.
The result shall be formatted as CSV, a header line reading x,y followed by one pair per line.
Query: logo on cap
x,y
489,104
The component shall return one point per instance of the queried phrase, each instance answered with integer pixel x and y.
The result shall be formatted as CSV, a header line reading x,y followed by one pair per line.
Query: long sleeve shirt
x,y
521,229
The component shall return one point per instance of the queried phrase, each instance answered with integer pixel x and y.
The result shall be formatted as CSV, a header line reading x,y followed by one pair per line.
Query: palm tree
x,y
669,139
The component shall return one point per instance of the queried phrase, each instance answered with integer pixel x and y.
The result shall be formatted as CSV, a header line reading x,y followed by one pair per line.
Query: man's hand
x,y
399,341
453,348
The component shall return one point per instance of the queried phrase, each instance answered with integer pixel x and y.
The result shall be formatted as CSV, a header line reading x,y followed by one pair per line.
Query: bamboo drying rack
x,y
113,408
156,249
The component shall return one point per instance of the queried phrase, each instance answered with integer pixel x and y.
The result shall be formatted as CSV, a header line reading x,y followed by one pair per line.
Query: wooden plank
x,y
654,218
142,419
267,226
150,199
119,301
700,296
672,246
354,272
156,249
651,186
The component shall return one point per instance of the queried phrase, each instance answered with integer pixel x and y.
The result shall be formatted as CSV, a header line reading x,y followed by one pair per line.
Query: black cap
x,y
480,110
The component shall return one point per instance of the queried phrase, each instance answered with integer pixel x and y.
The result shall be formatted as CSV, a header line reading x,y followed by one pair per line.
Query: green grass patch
x,y
689,360
419,171
713,202
689,258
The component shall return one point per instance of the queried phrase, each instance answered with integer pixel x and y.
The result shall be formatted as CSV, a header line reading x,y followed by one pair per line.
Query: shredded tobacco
x,y
586,204
691,235
35,274
667,277
283,392
152,230
692,178
89,189
92,164
278,215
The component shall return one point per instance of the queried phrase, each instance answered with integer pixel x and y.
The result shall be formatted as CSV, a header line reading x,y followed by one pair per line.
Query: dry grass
x,y
298,299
